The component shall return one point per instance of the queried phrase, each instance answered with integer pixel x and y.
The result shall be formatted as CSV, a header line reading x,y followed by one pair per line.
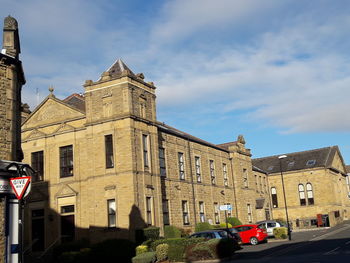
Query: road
x,y
322,245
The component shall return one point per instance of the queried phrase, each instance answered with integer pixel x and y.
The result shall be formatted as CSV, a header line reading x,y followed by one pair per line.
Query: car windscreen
x,y
223,234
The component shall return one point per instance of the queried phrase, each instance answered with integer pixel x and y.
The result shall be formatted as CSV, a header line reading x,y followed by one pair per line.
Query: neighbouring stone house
x,y
316,186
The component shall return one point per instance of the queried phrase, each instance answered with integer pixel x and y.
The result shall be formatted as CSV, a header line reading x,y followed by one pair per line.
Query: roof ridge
x,y
306,151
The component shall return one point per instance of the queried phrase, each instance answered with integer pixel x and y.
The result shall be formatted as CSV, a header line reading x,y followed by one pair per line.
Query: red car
x,y
252,234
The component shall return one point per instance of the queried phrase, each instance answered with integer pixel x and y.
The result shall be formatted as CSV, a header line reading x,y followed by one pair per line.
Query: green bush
x,y
70,247
203,226
151,232
185,232
177,246
141,249
148,257
172,232
280,232
113,250
211,249
234,221
162,251
223,225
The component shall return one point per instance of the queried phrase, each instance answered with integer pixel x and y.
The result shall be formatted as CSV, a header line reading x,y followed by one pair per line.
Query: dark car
x,y
234,233
217,233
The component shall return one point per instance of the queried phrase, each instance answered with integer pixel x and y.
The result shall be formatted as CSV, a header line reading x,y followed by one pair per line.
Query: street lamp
x,y
284,195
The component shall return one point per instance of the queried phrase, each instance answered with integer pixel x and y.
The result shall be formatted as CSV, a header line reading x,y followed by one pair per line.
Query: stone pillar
x,y
11,81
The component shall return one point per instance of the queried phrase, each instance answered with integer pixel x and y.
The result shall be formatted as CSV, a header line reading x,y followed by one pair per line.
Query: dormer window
x,y
310,162
291,164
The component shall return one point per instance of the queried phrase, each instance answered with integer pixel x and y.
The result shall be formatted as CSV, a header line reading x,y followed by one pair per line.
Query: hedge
x,y
177,246
151,233
211,249
162,251
280,232
172,232
141,249
148,257
234,221
203,226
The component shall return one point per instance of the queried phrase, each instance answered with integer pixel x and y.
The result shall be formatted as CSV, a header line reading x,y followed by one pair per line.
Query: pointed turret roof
x,y
118,68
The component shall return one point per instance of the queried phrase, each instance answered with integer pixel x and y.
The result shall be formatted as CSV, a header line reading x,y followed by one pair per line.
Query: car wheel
x,y
254,241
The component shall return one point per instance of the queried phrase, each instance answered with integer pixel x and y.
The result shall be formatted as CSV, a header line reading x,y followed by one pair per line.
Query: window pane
x,y
38,166
66,161
109,151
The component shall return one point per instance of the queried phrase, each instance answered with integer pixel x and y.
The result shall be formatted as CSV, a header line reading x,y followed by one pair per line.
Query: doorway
x,y
38,230
67,223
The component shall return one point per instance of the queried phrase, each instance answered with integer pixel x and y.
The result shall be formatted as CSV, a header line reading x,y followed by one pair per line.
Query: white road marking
x,y
331,252
330,233
347,243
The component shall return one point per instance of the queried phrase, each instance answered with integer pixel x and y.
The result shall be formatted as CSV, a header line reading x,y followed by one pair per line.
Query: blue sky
x,y
276,71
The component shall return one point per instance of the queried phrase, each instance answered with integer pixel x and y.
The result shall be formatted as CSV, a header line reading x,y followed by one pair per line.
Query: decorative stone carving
x,y
10,23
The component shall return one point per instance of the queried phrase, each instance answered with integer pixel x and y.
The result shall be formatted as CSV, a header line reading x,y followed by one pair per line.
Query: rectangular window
x,y
185,216
66,161
201,212
274,197
109,151
181,166
216,213
256,183
149,211
224,171
245,178
111,208
67,209
145,150
261,184
166,220
212,172
162,165
38,166
249,210
197,161
229,212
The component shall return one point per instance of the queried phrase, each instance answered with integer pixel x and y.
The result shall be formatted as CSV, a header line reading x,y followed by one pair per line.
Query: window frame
x,y
181,163
201,208
66,161
224,173
249,213
149,210
216,213
197,163
212,172
245,178
37,163
302,196
111,214
185,212
165,209
310,194
145,151
274,198
109,153
162,162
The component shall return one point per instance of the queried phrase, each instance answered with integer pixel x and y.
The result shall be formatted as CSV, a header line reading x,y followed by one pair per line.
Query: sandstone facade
x,y
129,167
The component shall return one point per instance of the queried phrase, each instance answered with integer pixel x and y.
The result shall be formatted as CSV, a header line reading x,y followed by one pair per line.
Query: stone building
x,y
11,81
316,187
107,167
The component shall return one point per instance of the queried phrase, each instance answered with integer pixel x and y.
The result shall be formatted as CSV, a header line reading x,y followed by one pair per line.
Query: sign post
x,y
225,208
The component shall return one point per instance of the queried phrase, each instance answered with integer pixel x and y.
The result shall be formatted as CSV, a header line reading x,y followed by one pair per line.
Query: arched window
x,y
310,194
274,197
302,194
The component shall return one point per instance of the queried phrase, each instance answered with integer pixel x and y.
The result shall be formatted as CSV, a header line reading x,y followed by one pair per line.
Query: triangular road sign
x,y
19,185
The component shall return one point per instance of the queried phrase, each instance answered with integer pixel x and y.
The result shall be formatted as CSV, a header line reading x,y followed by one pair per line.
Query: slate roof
x,y
322,157
171,130
116,70
347,168
76,101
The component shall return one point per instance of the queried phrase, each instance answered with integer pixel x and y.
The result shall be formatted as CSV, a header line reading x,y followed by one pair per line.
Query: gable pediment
x,y
50,112
35,134
66,190
64,127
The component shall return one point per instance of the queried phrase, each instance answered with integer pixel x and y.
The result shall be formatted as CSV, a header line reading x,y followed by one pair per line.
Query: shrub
x,y
185,232
162,252
234,221
70,247
147,243
203,226
280,232
141,249
211,249
223,225
172,232
148,257
151,232
113,250
177,246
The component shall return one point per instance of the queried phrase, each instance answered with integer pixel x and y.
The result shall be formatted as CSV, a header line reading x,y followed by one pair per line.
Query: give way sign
x,y
19,185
